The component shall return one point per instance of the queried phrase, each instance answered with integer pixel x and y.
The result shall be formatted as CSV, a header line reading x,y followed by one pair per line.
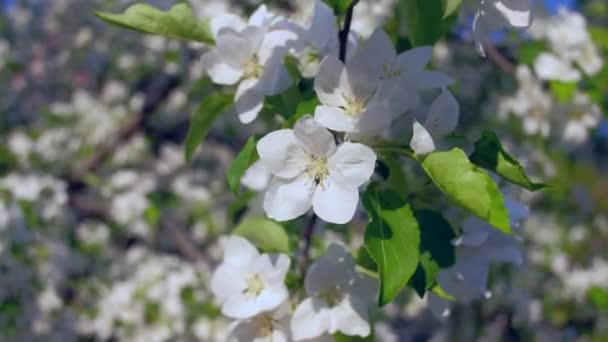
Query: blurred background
x,y
107,234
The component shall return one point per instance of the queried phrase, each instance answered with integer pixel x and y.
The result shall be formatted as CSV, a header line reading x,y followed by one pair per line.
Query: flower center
x,y
332,296
354,106
253,68
317,169
255,286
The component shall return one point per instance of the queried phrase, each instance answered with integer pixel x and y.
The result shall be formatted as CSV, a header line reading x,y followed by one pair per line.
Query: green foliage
x,y
436,249
7,160
563,91
468,186
598,297
339,6
241,163
265,234
426,20
303,108
528,51
339,337
178,22
450,6
210,109
392,239
490,155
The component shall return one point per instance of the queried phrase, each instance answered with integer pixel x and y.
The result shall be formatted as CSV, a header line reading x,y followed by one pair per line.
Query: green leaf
x,y
423,20
241,163
563,91
206,113
238,207
529,51
598,297
339,337
339,6
469,186
306,107
490,155
265,234
436,249
365,261
178,22
450,6
392,239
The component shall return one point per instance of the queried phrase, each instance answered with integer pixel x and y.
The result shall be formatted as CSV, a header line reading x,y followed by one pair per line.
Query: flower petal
x,y
350,317
518,13
334,204
287,199
352,165
272,268
239,251
281,154
236,48
439,307
226,20
256,177
422,142
442,118
314,138
248,100
310,319
415,59
336,268
219,71
335,119
226,281
327,82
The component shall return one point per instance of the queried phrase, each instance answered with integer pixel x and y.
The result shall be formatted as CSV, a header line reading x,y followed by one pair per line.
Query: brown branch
x,y
307,236
343,34
497,58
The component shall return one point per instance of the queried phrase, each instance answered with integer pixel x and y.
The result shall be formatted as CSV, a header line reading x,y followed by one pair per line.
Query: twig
x,y
343,35
495,56
307,236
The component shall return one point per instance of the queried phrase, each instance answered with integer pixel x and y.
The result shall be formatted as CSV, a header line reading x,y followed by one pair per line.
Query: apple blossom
x,y
339,298
247,282
270,326
441,119
309,170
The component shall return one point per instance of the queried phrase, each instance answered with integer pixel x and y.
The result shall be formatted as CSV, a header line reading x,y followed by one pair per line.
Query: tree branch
x,y
343,35
497,58
307,236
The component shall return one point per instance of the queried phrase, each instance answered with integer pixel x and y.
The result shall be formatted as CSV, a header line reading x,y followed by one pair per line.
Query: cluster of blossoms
x,y
571,49
251,289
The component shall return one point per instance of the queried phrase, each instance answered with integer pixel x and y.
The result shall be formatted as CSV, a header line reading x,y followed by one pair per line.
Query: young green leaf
x,y
265,234
178,22
241,163
450,6
423,20
490,155
436,249
392,238
467,185
339,6
206,113
305,107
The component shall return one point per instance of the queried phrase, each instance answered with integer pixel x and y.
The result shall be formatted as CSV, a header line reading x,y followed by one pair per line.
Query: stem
x,y
406,151
308,232
343,35
497,58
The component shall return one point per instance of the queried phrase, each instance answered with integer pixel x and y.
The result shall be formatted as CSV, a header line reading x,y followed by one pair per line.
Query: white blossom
x,y
339,298
441,119
309,170
270,326
247,282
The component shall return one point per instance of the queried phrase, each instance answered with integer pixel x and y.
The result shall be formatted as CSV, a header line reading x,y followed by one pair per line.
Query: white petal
x,y
239,251
378,52
335,119
226,20
517,12
327,82
425,79
363,71
443,115
517,210
422,142
376,118
261,16
256,177
336,268
415,59
323,28
314,138
352,165
475,232
350,317
281,154
243,305
287,199
310,319
219,71
334,204
272,268
228,280
236,48
248,100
